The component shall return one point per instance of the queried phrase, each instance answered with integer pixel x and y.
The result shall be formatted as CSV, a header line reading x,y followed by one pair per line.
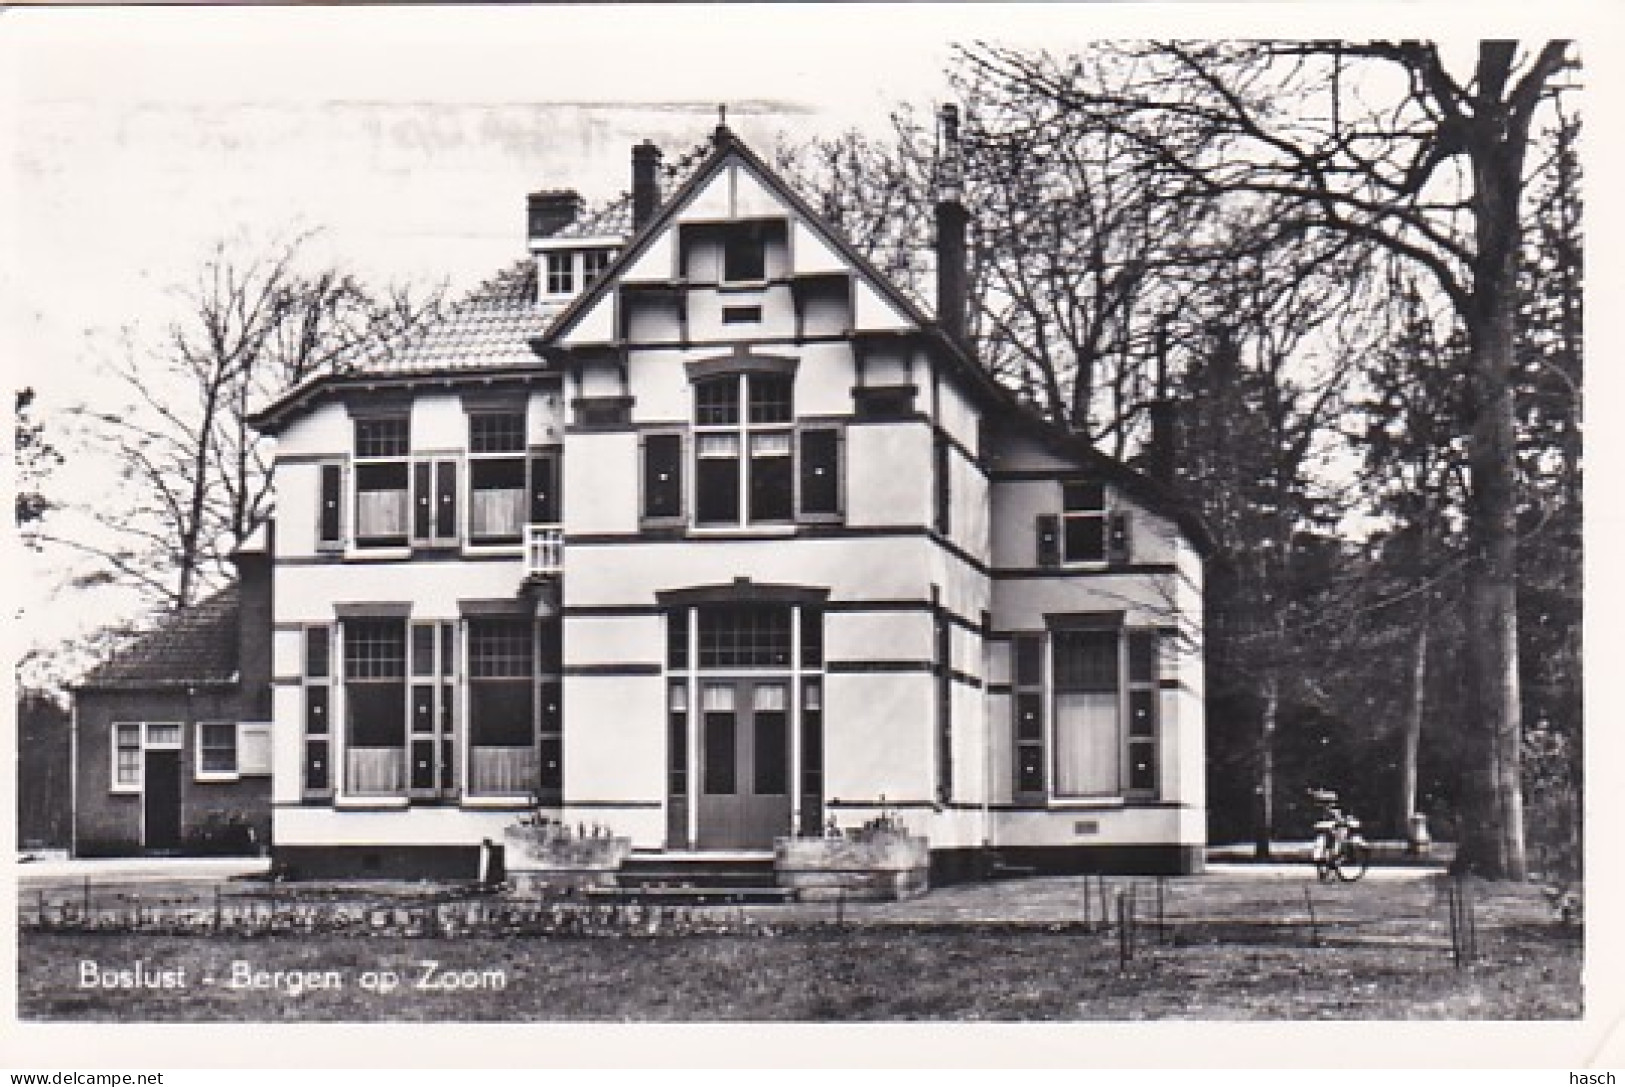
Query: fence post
x,y
1455,926
1088,894
217,907
86,918
1122,931
1314,928
1162,920
1471,917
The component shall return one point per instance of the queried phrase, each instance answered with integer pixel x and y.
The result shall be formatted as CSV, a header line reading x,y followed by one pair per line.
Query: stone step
x,y
693,895
696,871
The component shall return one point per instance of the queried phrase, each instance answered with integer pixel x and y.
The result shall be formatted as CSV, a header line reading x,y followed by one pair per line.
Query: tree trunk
x,y
1493,825
1413,728
1264,791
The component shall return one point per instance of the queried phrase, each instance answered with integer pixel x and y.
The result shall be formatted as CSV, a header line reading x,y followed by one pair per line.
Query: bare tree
x,y
1385,141
198,475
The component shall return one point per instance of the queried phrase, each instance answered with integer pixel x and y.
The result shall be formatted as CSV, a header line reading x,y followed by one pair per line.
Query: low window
x,y
127,757
217,750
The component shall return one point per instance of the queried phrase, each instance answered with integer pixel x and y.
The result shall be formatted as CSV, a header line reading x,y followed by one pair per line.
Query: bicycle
x,y
1339,848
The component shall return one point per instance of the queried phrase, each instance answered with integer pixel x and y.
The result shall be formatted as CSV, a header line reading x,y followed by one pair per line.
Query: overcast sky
x,y
135,138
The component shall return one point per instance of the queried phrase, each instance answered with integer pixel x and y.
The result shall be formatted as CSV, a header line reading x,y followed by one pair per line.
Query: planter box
x,y
540,859
880,867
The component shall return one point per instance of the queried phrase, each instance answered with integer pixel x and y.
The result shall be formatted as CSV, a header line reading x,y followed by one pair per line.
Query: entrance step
x,y
694,896
691,877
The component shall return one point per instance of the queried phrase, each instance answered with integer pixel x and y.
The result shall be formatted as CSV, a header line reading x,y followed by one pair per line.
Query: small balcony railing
x,y
544,550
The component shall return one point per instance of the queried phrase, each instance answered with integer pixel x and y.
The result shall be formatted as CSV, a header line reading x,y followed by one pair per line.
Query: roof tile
x,y
197,644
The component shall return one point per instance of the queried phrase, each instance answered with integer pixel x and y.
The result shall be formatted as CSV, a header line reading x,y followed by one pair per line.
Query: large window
x,y
502,698
1102,689
382,447
375,696
744,441
1088,725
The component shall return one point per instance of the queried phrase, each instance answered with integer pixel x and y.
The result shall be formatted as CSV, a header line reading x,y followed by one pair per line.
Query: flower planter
x,y
874,867
541,858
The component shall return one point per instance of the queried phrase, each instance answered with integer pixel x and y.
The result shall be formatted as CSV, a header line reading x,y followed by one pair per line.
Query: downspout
x,y
73,777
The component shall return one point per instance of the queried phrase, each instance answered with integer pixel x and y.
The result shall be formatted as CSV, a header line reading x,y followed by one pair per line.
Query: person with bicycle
x,y
1338,848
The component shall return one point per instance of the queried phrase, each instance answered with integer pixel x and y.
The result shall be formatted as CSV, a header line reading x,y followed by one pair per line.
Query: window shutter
x,y
422,501
820,471
544,504
330,520
445,500
253,748
1117,543
1049,540
663,475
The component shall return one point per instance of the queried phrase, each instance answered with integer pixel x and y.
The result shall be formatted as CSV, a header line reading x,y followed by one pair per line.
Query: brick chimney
x,y
645,183
549,212
1161,457
951,222
253,559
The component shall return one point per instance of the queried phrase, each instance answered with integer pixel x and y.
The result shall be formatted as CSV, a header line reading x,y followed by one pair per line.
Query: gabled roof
x,y
726,145
195,646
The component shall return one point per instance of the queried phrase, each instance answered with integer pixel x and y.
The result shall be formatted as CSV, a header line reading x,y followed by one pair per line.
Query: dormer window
x,y
561,273
594,262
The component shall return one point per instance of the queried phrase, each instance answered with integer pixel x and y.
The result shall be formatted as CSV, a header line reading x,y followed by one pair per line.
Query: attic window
x,y
744,255
741,315
561,273
594,262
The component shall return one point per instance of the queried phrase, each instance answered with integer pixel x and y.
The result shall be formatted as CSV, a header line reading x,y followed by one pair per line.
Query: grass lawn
x,y
1237,951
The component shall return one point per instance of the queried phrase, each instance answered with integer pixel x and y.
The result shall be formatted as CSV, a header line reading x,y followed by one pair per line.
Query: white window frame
x,y
1104,515
521,454
355,543
552,272
146,742
202,774
743,430
115,784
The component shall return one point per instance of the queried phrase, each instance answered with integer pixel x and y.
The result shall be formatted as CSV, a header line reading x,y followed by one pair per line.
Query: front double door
x,y
744,763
